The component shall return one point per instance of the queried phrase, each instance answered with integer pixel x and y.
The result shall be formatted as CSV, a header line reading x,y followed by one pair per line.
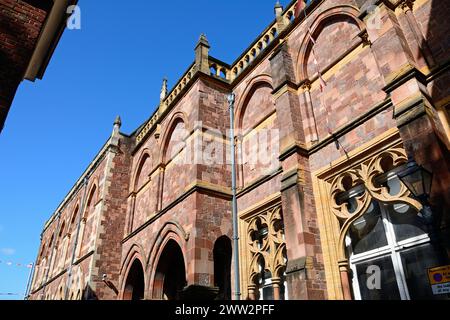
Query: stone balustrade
x,y
221,70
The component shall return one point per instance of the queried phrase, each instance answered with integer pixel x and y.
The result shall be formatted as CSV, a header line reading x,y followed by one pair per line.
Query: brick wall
x,y
20,25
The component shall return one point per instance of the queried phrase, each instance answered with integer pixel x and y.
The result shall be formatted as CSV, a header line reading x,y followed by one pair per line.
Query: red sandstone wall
x,y
354,86
63,250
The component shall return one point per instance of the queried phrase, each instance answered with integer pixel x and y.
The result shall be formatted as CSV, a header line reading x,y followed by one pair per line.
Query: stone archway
x,y
170,277
135,283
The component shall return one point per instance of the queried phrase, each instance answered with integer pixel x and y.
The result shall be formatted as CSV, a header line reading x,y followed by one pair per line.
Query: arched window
x,y
143,171
265,282
267,248
74,217
389,248
61,232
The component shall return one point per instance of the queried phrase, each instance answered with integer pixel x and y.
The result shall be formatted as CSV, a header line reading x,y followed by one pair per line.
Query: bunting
x,y
20,265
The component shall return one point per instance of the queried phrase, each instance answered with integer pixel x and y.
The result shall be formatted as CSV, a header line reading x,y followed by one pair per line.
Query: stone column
x,y
303,268
131,215
159,196
276,285
344,270
252,292
313,134
421,43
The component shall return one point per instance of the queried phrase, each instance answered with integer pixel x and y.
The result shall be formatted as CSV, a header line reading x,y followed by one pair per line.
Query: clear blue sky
x,y
113,66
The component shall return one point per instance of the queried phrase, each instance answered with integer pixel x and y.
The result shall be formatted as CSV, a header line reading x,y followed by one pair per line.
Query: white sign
x,y
441,288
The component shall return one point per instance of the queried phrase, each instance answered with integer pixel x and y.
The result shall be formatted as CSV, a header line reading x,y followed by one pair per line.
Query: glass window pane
x,y
268,293
378,286
416,262
368,233
406,222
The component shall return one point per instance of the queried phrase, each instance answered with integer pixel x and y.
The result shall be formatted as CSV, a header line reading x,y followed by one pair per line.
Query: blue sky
x,y
113,66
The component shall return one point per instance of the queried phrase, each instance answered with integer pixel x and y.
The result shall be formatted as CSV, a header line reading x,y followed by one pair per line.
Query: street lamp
x,y
419,181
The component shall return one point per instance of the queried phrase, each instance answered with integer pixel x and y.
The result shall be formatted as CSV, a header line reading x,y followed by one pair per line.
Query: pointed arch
x,y
92,198
167,135
61,231
244,99
171,229
135,252
133,283
143,158
75,213
169,276
336,12
171,232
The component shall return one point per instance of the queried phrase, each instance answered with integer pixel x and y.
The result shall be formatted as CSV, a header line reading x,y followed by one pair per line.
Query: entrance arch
x,y
170,276
135,284
222,267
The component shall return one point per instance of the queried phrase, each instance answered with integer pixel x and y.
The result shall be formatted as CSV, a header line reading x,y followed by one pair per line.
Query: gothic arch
x,y
134,287
135,252
167,235
91,195
61,232
169,273
243,100
317,27
166,137
145,155
60,293
75,212
170,229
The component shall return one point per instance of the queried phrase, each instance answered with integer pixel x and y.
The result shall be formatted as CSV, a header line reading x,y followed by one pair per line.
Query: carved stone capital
x,y
306,86
407,5
365,38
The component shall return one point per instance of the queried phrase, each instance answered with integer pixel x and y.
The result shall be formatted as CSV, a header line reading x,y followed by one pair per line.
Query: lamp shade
x,y
417,179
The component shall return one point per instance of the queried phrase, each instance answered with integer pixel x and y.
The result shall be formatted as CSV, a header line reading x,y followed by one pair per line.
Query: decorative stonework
x,y
365,174
407,5
269,250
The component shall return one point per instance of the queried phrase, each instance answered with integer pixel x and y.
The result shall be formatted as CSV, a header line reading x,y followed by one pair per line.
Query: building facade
x,y
331,107
29,33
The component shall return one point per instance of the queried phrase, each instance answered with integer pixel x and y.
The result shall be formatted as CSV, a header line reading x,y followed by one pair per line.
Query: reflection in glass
x,y
265,284
406,221
368,233
388,289
416,262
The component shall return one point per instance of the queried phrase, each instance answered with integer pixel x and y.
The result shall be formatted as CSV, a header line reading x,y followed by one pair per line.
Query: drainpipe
x,y
50,262
30,278
237,280
72,261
